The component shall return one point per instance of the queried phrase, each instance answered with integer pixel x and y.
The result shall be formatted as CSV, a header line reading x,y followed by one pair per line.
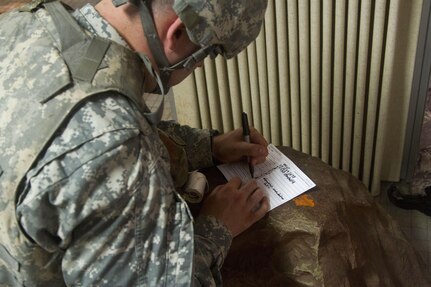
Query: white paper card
x,y
281,179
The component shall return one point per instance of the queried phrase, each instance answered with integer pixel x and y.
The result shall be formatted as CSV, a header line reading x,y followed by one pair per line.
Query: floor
x,y
416,225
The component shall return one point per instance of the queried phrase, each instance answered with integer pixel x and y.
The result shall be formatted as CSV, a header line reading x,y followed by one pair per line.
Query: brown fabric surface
x,y
333,235
422,173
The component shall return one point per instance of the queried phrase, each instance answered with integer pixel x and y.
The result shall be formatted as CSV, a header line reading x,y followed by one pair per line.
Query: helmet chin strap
x,y
154,43
156,47
153,39
191,61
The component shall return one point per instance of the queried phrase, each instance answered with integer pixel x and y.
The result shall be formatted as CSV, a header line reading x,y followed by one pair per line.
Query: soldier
x,y
87,198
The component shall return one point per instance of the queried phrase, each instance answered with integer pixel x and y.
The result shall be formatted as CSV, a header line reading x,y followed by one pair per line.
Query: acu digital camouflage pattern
x,y
98,207
232,25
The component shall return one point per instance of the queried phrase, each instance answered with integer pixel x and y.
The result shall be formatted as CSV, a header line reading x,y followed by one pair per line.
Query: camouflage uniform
x,y
98,208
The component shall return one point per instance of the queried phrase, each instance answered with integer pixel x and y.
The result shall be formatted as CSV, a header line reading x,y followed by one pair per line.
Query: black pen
x,y
246,134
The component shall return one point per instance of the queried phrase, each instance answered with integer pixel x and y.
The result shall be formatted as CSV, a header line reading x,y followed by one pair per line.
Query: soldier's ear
x,y
176,36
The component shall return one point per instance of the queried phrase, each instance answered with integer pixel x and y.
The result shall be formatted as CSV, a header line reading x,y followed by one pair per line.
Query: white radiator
x,y
324,77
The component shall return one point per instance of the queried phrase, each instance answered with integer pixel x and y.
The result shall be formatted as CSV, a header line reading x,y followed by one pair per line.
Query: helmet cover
x,y
229,24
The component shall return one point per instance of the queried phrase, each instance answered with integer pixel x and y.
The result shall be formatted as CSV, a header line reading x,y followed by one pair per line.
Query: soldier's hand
x,y
231,147
238,207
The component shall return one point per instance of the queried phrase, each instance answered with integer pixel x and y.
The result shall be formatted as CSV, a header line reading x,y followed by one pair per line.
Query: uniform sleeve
x,y
84,209
101,206
212,243
92,222
196,142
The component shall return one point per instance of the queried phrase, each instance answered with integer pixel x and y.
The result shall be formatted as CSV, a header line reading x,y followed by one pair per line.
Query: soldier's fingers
x,y
257,137
255,198
234,182
261,208
249,188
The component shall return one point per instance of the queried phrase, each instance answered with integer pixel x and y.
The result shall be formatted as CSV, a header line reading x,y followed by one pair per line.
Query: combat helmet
x,y
217,26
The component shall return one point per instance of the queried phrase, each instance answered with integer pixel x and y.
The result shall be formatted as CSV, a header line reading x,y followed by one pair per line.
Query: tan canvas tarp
x,y
333,235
